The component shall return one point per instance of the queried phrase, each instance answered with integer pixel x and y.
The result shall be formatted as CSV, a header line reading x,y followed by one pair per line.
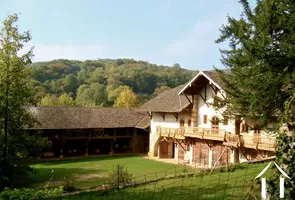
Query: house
x,y
187,126
82,131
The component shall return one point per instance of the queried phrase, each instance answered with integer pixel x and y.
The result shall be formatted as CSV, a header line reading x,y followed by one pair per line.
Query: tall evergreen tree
x,y
261,63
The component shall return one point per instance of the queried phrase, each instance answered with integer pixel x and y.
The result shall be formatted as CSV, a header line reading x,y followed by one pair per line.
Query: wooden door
x,y
164,149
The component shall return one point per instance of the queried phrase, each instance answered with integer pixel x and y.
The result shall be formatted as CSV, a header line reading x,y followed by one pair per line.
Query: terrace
x,y
244,140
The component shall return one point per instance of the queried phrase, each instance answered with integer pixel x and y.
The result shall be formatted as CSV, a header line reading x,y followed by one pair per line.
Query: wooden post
x,y
86,149
194,115
237,132
62,146
210,157
134,138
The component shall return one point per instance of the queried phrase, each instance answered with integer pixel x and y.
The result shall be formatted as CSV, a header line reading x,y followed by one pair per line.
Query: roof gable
x,y
211,76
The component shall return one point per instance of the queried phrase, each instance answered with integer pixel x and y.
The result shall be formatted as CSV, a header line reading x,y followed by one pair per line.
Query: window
x,y
189,122
205,119
181,123
225,120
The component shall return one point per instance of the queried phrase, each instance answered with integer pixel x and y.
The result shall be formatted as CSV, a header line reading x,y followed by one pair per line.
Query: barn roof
x,y
59,117
144,123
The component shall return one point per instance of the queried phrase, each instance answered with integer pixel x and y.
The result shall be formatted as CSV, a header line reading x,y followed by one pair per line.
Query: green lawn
x,y
93,172
219,185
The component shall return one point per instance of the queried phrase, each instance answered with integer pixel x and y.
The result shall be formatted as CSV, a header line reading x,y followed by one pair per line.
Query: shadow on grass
x,y
84,159
78,177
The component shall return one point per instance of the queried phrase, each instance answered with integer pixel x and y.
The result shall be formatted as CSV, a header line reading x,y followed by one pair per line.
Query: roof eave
x,y
197,76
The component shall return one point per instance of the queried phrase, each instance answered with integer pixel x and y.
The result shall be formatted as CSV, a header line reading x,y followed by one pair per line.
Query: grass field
x,y
92,172
219,185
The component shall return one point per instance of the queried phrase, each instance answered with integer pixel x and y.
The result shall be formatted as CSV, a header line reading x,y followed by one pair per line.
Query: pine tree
x,y
261,76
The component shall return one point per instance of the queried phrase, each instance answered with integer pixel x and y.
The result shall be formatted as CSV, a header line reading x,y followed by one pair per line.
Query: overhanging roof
x,y
200,74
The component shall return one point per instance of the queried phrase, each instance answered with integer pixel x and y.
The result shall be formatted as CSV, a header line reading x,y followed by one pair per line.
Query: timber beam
x,y
163,115
187,98
202,97
214,88
149,114
176,116
209,143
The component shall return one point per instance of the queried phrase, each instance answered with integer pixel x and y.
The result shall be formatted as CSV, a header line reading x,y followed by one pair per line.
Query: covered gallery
x,y
83,131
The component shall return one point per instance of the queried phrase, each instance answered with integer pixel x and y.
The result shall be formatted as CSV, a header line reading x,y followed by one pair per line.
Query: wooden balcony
x,y
176,133
194,132
231,140
204,133
214,134
258,142
266,143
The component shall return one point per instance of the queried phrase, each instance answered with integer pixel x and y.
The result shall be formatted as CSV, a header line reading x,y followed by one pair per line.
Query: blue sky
x,y
158,31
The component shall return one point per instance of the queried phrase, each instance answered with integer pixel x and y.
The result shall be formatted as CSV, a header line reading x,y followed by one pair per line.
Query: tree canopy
x,y
261,76
99,82
261,58
16,145
126,99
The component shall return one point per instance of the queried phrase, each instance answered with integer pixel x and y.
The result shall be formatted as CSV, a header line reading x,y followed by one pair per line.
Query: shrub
x,y
30,194
120,176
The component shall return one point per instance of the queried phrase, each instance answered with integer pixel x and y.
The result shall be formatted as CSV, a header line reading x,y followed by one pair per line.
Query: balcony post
x,y
194,114
210,158
235,152
232,156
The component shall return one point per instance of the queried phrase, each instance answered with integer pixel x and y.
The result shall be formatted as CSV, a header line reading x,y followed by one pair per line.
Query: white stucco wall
x,y
207,109
169,122
204,108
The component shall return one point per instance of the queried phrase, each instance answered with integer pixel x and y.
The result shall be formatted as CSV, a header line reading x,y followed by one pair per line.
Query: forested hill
x,y
103,82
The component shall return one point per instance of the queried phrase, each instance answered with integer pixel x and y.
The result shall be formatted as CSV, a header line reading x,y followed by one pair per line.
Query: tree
x,y
261,76
49,100
126,99
65,100
93,95
16,144
71,83
113,92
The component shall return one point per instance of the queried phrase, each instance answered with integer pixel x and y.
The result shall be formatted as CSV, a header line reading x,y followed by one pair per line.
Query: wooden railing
x,y
214,134
231,140
177,133
195,132
248,141
258,142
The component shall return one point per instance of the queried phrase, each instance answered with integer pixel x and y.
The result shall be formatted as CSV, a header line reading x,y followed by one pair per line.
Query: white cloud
x,y
44,52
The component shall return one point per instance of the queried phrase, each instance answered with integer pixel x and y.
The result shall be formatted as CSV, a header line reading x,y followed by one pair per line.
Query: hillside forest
x,y
103,82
